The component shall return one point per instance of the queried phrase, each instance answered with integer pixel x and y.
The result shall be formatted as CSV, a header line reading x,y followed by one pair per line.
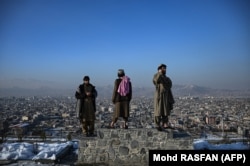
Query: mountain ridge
x,y
106,91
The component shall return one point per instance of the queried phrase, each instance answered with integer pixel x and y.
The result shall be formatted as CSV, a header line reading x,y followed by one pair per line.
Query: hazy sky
x,y
203,42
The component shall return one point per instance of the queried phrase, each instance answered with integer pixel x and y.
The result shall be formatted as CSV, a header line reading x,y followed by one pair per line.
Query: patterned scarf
x,y
123,88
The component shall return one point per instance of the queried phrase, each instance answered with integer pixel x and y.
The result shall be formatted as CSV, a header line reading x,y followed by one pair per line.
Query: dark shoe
x,y
168,127
92,135
165,127
159,128
126,127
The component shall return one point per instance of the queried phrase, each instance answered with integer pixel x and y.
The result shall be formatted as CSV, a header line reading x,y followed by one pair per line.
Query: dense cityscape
x,y
52,117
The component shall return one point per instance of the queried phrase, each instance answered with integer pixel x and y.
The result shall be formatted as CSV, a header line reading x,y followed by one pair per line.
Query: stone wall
x,y
128,147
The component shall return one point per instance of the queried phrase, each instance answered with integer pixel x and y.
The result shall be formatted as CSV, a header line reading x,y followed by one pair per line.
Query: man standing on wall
x,y
86,106
122,95
163,98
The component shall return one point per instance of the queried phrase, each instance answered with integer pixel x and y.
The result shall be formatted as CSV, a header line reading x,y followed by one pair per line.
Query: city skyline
x,y
203,43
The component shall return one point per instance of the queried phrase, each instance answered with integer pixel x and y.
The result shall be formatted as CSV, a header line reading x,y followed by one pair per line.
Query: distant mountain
x,y
199,91
191,90
106,91
179,91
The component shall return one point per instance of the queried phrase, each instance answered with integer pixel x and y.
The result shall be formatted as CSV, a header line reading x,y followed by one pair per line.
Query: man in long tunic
x,y
163,98
122,95
86,106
